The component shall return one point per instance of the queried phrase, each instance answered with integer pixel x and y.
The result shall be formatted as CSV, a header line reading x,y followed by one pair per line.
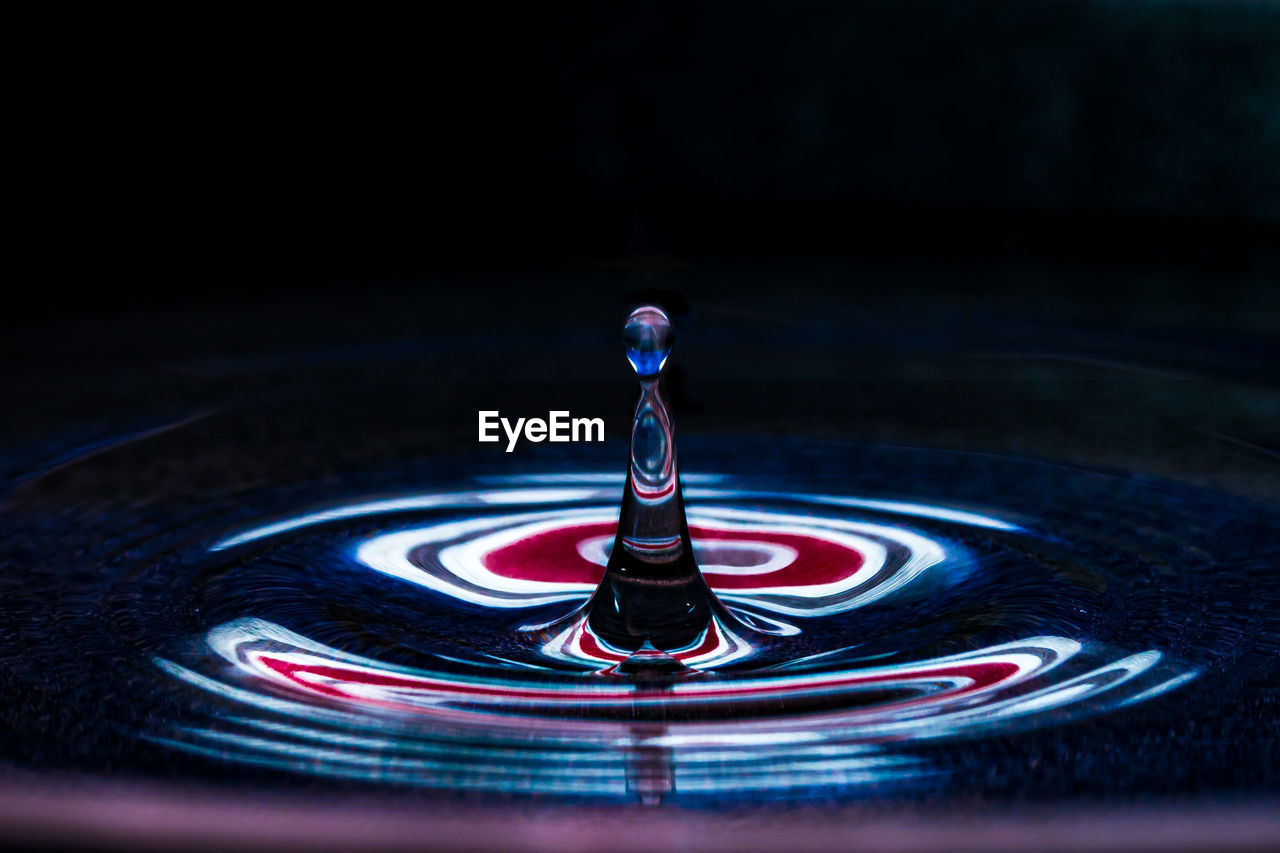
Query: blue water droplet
x,y
648,336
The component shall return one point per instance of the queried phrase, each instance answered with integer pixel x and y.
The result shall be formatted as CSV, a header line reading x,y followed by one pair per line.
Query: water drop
x,y
648,337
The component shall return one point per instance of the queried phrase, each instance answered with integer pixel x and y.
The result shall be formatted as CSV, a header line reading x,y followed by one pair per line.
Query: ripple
x,y
1028,631
522,707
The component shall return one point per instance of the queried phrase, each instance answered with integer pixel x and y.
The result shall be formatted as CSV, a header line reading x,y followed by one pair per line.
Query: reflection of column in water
x,y
651,770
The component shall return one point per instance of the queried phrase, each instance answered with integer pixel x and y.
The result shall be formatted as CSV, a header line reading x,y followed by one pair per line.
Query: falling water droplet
x,y
648,336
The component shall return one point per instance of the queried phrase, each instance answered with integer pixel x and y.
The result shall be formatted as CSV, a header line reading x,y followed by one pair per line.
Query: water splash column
x,y
652,592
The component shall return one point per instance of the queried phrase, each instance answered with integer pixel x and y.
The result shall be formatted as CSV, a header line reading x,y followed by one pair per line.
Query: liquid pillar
x,y
653,597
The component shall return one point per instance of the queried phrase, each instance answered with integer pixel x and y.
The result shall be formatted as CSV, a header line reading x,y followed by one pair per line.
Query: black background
x,y
172,157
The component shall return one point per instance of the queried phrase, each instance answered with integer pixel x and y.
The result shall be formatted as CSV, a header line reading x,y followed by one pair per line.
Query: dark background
x,y
172,158
1020,227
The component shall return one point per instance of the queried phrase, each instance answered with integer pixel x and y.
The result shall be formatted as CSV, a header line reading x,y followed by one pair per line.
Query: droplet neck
x,y
651,527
